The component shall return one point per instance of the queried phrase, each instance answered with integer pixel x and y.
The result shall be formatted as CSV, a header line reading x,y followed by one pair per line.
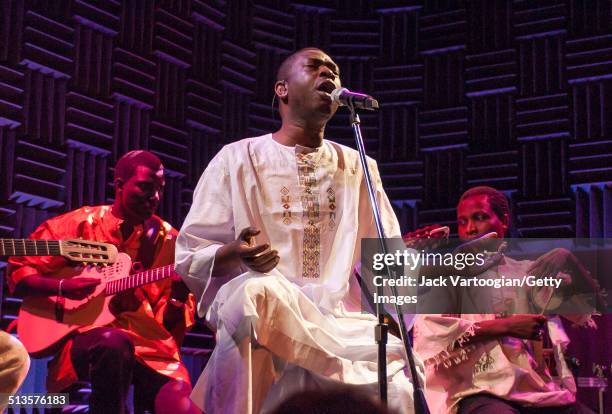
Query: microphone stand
x,y
382,328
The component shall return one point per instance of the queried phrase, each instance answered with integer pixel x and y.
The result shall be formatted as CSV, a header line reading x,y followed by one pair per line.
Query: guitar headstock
x,y
88,251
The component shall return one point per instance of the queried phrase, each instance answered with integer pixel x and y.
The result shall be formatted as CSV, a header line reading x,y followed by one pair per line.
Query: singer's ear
x,y
280,88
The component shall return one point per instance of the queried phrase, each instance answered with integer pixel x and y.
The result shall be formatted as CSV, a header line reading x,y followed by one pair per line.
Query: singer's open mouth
x,y
326,86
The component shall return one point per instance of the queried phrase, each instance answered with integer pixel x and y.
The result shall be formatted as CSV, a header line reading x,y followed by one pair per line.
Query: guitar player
x,y
141,346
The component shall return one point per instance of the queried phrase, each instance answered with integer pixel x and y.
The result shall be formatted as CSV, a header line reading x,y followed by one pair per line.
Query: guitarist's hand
x,y
79,287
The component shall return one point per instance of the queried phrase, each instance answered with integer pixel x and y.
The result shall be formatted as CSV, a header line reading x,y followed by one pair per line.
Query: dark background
x,y
513,94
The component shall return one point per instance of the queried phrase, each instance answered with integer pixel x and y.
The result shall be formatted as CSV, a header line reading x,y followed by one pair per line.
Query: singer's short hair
x,y
285,66
496,199
127,165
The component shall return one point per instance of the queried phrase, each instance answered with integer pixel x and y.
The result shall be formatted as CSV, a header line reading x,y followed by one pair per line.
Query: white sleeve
x,y
208,225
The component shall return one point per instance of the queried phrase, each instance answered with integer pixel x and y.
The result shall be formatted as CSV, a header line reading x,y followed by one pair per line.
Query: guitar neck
x,y
29,247
139,279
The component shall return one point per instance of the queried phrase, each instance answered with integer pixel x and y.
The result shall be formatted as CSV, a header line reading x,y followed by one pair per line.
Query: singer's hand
x,y
256,257
245,251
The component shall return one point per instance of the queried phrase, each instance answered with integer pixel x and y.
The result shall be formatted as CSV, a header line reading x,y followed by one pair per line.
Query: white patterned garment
x,y
503,367
289,329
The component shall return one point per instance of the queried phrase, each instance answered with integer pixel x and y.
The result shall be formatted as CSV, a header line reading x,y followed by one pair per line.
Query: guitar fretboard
x,y
139,279
29,247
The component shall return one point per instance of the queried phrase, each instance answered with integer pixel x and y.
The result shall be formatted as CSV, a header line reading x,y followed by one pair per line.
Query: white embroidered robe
x,y
288,329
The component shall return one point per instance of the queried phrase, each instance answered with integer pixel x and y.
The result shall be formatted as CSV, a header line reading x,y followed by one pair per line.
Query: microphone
x,y
357,100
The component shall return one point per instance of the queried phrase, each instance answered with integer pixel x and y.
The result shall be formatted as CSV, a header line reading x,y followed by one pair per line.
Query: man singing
x,y
268,249
142,345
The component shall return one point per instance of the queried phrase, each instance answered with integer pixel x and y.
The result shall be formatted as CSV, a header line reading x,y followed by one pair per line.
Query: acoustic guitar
x,y
44,322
